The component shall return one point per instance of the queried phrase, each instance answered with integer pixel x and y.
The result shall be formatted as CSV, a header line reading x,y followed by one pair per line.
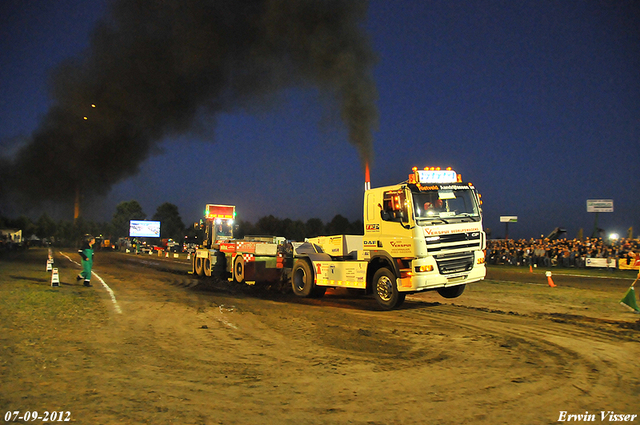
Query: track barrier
x,y
55,278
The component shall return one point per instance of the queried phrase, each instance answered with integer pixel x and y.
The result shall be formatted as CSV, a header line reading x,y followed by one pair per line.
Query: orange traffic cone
x,y
549,280
530,268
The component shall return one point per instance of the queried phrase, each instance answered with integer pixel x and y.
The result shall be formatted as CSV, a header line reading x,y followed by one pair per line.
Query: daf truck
x,y
419,235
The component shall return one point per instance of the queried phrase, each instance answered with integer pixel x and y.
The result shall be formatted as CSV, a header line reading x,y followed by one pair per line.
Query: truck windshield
x,y
219,230
449,205
223,231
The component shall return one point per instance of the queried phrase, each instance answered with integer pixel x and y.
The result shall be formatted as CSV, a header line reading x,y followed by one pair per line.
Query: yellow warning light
x,y
449,168
414,169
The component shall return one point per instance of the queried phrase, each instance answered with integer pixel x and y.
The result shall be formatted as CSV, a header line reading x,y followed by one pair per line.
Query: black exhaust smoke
x,y
153,67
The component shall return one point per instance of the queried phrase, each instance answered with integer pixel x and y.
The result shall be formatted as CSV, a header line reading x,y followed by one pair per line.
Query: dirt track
x,y
182,350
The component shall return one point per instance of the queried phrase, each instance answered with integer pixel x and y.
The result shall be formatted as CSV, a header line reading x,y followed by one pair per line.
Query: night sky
x,y
535,102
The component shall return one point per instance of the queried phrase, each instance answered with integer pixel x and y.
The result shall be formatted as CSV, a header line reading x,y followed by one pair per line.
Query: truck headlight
x,y
423,269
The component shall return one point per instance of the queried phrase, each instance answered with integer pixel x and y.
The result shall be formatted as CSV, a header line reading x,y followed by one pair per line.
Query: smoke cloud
x,y
153,67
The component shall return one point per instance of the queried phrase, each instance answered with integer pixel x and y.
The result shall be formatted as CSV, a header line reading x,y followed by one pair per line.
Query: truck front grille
x,y
455,263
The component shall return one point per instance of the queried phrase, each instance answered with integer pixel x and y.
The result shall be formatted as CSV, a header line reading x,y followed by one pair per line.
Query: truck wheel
x,y
385,289
206,265
302,279
238,269
452,291
199,267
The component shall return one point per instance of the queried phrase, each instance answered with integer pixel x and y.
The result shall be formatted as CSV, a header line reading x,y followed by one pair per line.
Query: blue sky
x,y
535,102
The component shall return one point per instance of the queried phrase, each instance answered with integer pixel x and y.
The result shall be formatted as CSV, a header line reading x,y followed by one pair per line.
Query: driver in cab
x,y
433,208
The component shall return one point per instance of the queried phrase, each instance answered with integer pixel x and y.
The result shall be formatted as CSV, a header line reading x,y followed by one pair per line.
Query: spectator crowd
x,y
559,252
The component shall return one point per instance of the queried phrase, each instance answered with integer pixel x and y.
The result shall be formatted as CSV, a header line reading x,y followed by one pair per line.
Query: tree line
x,y
67,233
298,230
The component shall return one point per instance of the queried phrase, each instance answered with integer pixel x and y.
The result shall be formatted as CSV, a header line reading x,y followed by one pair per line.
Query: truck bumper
x,y
434,279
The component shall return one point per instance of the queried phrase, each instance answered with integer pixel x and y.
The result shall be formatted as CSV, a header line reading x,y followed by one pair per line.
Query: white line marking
x,y
224,321
592,276
113,296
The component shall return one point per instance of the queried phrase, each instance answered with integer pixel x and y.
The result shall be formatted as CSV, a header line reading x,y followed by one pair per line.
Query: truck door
x,y
396,235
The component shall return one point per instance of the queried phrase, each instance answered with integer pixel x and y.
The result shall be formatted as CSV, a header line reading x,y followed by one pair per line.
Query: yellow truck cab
x,y
422,234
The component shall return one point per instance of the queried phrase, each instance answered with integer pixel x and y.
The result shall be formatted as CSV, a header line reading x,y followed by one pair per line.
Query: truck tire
x,y
238,269
198,266
302,279
385,289
452,291
206,266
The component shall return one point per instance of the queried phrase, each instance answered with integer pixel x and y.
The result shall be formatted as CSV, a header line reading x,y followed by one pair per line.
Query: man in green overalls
x,y
86,252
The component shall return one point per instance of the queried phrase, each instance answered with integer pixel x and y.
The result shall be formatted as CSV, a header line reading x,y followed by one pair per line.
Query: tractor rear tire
x,y
238,269
199,268
206,265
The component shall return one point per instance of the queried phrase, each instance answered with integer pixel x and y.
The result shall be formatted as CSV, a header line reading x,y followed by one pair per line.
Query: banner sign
x,y
599,205
600,262
508,219
629,264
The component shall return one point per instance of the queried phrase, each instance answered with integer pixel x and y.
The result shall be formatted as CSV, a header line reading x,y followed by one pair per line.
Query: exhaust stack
x,y
76,205
367,177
